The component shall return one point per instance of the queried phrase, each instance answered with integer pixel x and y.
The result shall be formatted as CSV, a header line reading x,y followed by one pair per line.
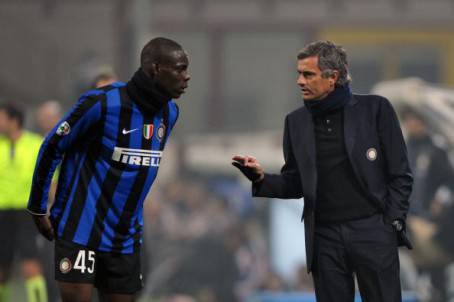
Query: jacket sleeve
x,y
287,184
65,134
399,177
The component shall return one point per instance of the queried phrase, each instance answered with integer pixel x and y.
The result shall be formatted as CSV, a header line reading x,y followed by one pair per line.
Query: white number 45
x,y
80,262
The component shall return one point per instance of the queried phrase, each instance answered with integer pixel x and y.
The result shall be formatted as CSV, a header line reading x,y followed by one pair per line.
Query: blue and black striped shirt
x,y
110,152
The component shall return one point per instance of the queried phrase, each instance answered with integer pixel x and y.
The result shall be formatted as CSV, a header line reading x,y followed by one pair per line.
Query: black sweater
x,y
339,196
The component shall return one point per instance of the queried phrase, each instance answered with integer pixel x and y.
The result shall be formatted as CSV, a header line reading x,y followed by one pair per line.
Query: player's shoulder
x,y
109,94
107,88
101,92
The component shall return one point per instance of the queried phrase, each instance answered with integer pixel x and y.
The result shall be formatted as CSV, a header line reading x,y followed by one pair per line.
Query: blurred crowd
x,y
207,240
430,220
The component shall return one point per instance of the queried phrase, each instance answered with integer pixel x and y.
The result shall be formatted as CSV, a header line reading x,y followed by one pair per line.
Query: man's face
x,y
173,75
313,85
47,119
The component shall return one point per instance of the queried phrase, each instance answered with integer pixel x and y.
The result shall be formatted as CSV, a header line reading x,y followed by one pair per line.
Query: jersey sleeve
x,y
74,125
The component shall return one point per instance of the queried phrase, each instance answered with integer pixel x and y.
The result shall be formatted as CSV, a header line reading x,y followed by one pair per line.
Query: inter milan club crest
x,y
65,265
371,154
148,131
161,131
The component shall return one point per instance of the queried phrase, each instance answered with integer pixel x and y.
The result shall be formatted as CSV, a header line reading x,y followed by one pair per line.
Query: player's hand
x,y
249,166
44,226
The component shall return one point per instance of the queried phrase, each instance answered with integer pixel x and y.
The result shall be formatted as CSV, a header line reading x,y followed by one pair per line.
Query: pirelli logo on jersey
x,y
137,157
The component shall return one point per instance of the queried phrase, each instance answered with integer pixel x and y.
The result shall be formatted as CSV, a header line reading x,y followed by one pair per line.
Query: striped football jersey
x,y
110,153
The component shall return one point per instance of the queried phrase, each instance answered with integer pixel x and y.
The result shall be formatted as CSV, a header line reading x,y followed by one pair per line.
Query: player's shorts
x,y
18,237
109,272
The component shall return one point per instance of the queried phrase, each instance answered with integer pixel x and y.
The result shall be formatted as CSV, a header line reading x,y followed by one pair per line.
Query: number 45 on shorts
x,y
74,263
85,261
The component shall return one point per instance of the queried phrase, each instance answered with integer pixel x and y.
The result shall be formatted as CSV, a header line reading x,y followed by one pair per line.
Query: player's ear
x,y
152,70
155,68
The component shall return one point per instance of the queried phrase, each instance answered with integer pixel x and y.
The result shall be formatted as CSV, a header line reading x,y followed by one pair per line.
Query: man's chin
x,y
308,98
177,94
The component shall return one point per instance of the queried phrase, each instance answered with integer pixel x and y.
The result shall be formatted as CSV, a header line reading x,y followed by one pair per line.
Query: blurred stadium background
x,y
206,239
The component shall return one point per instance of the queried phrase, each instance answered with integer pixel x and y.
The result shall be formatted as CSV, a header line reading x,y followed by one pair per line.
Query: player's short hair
x,y
157,51
14,111
330,57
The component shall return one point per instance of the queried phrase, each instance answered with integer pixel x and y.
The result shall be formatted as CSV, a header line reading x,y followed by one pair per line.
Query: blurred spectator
x,y
433,173
104,79
430,202
18,151
48,115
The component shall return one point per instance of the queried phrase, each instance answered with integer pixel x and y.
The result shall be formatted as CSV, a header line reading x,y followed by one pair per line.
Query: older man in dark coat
x,y
345,154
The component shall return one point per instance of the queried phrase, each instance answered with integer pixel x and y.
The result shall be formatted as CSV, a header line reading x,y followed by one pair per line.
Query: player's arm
x,y
74,125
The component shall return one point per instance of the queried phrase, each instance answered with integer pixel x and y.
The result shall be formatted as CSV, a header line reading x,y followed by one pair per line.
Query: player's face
x,y
173,75
313,85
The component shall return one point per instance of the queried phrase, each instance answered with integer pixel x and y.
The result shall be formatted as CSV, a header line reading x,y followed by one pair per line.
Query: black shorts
x,y
109,272
18,237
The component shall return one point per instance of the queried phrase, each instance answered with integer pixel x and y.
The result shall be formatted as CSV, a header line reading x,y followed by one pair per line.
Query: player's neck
x,y
146,94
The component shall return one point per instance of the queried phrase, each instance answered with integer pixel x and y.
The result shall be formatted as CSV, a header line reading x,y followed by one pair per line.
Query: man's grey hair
x,y
331,57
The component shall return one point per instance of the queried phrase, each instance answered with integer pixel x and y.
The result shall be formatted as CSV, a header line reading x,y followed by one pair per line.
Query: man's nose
x,y
187,77
301,81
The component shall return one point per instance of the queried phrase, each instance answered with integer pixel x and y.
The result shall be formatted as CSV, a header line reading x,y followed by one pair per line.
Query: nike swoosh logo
x,y
129,131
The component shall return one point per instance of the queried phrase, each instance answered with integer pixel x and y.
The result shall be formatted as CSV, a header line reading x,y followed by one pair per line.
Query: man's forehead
x,y
308,63
177,56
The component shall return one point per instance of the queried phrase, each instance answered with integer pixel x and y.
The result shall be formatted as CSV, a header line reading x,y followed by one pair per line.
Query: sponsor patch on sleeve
x,y
63,129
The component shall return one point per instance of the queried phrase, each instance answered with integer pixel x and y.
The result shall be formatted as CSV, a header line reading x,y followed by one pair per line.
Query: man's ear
x,y
153,70
335,75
